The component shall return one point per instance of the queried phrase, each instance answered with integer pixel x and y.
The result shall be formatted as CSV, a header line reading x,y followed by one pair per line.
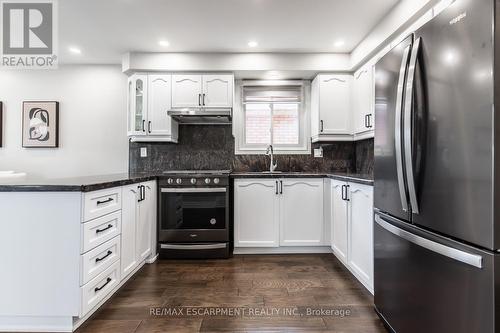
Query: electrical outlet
x,y
144,152
318,152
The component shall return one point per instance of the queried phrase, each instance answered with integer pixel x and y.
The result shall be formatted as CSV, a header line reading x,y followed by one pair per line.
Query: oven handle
x,y
193,246
194,190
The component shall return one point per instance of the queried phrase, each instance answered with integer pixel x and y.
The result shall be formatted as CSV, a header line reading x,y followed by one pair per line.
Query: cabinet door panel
x,y
147,216
130,216
159,102
186,91
335,104
218,90
137,104
256,213
339,221
301,213
361,233
363,100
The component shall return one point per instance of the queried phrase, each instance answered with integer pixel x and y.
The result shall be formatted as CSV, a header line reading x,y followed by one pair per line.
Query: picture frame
x,y
40,126
1,124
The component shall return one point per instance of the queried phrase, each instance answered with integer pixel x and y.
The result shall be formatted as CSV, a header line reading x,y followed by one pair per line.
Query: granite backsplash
x,y
211,147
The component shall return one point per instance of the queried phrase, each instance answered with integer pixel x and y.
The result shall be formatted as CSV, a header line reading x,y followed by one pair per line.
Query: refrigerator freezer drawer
x,y
427,283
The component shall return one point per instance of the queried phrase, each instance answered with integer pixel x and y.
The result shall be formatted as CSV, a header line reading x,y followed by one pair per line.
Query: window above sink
x,y
272,113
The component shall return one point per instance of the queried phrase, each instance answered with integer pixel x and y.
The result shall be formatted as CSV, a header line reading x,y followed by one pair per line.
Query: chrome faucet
x,y
272,165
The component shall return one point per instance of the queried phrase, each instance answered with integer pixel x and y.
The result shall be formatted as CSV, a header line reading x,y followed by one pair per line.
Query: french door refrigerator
x,y
437,181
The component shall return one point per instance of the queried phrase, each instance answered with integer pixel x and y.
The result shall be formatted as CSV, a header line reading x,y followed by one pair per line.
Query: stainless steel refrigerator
x,y
437,175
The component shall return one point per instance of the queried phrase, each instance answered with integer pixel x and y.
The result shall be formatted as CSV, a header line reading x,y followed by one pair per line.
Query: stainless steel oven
x,y
194,215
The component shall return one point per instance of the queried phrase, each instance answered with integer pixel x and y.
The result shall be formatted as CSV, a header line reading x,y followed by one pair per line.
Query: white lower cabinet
x,y
301,212
278,212
138,214
256,213
147,217
352,228
339,220
130,216
360,233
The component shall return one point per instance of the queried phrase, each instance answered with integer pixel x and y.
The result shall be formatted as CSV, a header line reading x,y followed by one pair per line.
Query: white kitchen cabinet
x,y
218,90
147,217
352,228
207,90
361,233
186,90
339,220
331,107
256,213
301,212
138,215
278,212
137,105
159,102
130,215
363,102
150,98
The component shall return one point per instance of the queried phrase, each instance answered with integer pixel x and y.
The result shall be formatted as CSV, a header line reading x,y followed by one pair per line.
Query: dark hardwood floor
x,y
274,293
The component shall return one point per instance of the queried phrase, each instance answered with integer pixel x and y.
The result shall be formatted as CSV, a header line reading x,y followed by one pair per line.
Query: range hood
x,y
202,116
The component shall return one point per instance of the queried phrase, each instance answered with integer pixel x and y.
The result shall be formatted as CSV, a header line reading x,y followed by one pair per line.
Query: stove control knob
x,y
207,180
216,180
193,181
178,181
170,181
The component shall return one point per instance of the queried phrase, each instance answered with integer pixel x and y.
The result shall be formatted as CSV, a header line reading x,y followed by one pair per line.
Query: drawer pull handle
x,y
101,230
104,201
107,255
108,280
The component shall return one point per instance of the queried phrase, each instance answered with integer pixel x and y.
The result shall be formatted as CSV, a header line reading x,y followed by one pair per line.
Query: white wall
x,y
401,16
93,120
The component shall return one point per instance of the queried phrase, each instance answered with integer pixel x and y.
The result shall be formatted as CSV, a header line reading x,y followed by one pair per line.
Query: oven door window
x,y
193,210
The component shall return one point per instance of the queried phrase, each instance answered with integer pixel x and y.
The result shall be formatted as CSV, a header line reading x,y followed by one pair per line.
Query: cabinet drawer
x,y
100,230
98,288
97,260
99,203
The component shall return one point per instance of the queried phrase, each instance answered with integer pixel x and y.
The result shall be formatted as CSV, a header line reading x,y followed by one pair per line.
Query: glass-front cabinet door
x,y
137,105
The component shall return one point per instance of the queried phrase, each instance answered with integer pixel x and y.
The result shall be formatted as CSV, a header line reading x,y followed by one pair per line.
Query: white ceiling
x,y
106,29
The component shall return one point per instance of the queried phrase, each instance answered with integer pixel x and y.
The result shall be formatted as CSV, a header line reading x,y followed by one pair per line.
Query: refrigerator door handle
x,y
397,129
455,254
407,125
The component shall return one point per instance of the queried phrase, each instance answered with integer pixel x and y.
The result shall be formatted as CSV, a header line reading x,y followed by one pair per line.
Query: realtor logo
x,y
29,34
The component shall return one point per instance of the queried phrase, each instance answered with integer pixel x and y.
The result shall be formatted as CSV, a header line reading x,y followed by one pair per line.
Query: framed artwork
x,y
40,124
1,124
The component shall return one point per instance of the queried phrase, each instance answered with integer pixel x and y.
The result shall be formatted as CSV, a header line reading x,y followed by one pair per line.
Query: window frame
x,y
304,146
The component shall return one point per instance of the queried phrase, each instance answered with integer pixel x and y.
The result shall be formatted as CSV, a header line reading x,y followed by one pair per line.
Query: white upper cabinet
x,y
159,102
361,233
331,108
208,90
150,97
256,213
137,104
363,102
339,220
186,90
218,90
301,213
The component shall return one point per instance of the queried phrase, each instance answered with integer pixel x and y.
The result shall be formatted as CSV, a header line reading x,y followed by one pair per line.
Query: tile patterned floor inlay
x,y
250,293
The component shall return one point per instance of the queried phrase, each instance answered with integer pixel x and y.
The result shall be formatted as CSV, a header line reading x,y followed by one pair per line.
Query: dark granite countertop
x,y
75,184
352,177
99,182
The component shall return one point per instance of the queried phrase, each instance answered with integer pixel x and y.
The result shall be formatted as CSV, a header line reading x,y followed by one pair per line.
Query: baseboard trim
x,y
282,250
152,259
